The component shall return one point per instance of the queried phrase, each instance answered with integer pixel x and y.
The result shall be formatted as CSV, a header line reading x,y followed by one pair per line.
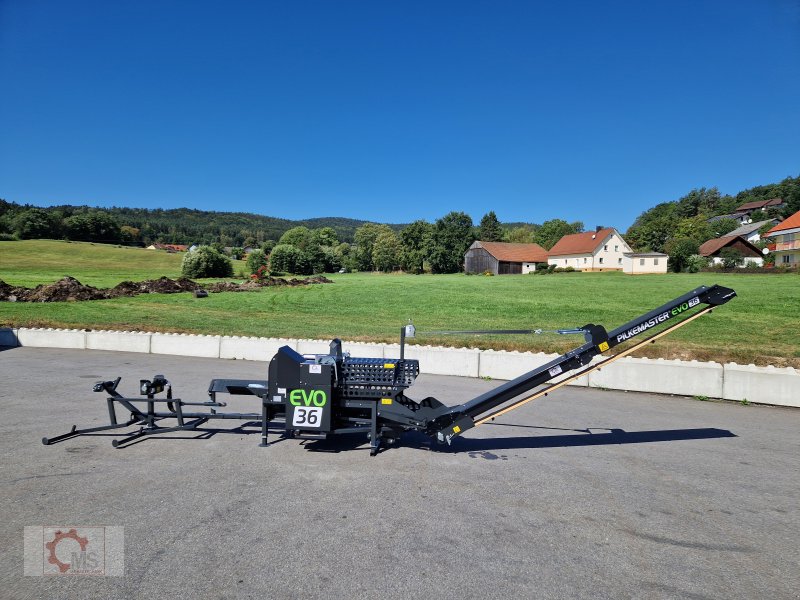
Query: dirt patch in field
x,y
67,289
70,289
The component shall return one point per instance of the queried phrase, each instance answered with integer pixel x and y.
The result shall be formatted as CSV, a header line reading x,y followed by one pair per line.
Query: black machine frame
x,y
315,396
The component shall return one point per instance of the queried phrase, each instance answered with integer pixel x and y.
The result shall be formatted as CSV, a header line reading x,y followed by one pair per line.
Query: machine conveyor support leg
x,y
374,440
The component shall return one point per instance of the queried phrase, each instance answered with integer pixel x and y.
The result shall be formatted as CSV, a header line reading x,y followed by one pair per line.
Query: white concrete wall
x,y
661,376
766,385
131,341
251,348
435,360
181,344
52,338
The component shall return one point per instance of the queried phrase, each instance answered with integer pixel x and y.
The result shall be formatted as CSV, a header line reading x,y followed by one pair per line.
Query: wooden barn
x,y
502,258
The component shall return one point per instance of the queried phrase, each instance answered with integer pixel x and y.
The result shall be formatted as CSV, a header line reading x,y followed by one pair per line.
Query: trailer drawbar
x,y
316,396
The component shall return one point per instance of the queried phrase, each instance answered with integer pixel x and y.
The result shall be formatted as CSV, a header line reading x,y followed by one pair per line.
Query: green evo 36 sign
x,y
308,397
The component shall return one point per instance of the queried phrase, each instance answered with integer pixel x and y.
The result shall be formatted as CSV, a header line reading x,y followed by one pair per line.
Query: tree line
x,y
142,226
418,247
326,245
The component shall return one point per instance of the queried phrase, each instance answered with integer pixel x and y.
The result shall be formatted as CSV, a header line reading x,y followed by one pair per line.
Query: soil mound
x,y
67,289
70,289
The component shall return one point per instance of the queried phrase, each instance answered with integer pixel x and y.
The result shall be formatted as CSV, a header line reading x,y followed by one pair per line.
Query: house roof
x,y
513,252
761,204
711,247
792,222
750,227
735,215
581,243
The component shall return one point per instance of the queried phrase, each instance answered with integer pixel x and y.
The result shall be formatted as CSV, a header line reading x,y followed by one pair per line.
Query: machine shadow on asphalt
x,y
418,441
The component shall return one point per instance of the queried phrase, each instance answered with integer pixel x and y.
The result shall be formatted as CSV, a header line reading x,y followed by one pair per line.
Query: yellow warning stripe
x,y
595,367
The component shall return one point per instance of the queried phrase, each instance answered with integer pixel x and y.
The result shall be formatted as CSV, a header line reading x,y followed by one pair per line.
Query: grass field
x,y
762,325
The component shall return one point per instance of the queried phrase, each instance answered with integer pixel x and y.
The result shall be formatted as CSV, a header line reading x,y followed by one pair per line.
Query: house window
x,y
655,261
605,247
616,248
584,260
601,260
641,262
785,258
619,261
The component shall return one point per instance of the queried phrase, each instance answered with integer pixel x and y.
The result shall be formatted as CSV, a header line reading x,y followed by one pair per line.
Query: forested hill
x,y
687,219
170,226
184,225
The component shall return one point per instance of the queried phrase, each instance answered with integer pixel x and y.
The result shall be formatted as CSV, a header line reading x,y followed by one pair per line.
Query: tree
x,y
268,245
205,261
315,255
386,252
680,250
255,260
129,234
699,202
365,237
696,228
289,259
416,241
35,223
520,235
551,231
333,261
721,227
731,257
452,235
653,228
299,237
325,237
695,262
344,256
489,229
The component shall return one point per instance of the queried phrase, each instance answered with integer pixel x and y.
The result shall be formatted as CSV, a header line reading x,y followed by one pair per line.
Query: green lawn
x,y
762,325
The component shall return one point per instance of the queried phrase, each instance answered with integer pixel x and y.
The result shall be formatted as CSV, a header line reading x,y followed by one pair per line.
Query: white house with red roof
x,y
600,250
786,236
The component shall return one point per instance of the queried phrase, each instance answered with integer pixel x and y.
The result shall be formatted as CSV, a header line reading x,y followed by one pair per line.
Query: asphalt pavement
x,y
582,494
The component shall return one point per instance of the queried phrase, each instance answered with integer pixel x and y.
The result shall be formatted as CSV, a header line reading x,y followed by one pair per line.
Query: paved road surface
x,y
584,494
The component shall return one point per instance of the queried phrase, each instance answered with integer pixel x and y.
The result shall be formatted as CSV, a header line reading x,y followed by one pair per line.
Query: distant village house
x,y
762,205
750,231
599,250
786,236
169,247
712,249
644,263
503,258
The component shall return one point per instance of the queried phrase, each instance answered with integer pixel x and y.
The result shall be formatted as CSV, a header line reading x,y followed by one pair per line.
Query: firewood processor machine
x,y
321,395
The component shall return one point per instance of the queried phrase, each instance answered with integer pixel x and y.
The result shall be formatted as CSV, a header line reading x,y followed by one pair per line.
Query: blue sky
x,y
394,111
